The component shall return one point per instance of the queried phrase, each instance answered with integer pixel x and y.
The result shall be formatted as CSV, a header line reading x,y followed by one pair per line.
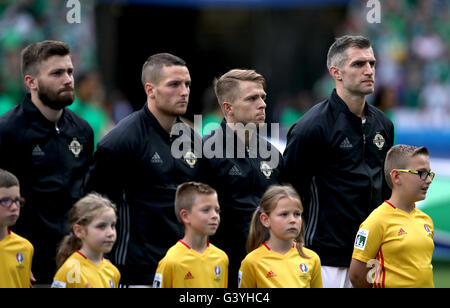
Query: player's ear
x,y
184,215
150,90
227,109
395,177
264,219
335,72
79,231
30,81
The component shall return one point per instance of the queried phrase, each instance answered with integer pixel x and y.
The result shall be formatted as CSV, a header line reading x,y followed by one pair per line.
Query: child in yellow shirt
x,y
280,261
394,245
92,234
16,253
193,262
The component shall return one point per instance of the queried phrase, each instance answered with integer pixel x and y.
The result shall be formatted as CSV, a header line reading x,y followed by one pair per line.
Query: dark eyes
x,y
362,63
60,72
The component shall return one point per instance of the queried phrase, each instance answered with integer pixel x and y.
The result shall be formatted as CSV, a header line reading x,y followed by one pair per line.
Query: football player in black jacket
x,y
49,148
242,163
335,156
134,165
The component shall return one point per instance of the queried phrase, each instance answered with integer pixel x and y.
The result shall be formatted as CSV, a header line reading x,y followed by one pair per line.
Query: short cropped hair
x,y
7,179
186,196
398,157
226,85
151,70
337,53
35,53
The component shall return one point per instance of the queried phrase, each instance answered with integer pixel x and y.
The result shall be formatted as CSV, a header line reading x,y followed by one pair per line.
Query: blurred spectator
x,y
295,108
212,113
412,49
89,104
121,106
385,100
435,97
6,101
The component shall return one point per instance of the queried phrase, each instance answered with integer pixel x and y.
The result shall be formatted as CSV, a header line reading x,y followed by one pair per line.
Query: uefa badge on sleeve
x,y
75,147
361,239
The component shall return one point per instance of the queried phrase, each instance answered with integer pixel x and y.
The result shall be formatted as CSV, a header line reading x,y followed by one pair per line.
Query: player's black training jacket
x,y
134,166
240,184
336,164
51,163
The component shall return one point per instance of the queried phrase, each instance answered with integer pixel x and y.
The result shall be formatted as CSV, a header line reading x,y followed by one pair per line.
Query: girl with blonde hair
x,y
277,258
92,226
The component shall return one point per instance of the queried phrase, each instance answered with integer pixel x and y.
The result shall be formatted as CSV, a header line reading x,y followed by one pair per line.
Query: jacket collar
x,y
229,133
340,106
35,115
155,123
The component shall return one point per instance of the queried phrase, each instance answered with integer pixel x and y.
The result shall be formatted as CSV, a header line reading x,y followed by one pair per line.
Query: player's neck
x,y
355,103
165,120
198,242
402,203
94,256
3,232
244,132
278,245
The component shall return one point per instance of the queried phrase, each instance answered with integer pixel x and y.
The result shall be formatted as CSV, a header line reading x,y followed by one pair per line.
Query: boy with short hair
x,y
193,262
16,253
397,237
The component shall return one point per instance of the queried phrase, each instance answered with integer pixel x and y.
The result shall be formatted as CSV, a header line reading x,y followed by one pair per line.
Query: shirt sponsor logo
x,y
401,232
271,274
379,141
188,276
37,151
346,144
156,159
235,171
75,147
361,239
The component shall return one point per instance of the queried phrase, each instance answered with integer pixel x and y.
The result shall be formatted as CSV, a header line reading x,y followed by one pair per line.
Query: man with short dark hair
x,y
49,148
334,158
135,167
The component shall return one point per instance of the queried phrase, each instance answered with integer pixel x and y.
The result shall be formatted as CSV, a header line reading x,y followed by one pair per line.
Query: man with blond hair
x,y
243,163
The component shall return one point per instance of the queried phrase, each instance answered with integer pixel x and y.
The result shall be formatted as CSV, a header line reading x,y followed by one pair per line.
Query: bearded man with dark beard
x,y
49,148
